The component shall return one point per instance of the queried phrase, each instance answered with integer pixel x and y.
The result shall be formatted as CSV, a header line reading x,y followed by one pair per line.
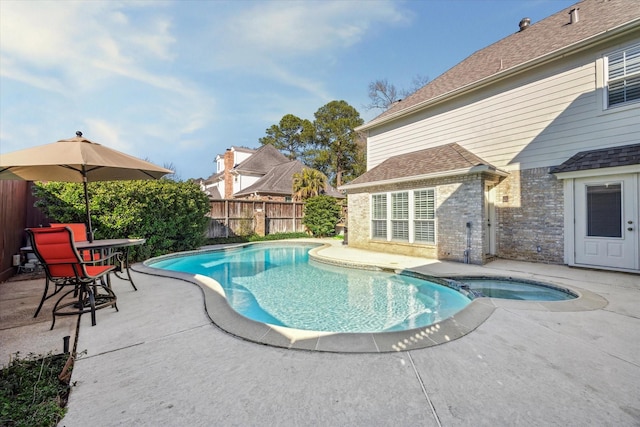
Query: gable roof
x,y
279,181
237,149
444,160
213,193
552,37
626,155
262,161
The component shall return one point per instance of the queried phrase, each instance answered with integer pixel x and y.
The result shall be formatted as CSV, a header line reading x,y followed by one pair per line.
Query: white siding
x,y
240,182
240,156
535,120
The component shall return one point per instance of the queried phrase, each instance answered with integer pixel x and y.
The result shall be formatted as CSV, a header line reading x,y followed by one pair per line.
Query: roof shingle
x,y
603,158
444,158
262,161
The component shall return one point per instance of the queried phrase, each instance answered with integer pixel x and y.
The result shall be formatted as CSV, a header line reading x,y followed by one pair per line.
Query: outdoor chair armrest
x,y
118,262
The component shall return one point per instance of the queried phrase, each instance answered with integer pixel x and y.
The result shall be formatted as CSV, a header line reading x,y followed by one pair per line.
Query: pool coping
x,y
460,324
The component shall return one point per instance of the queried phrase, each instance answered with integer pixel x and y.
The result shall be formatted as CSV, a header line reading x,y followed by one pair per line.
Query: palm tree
x,y
308,183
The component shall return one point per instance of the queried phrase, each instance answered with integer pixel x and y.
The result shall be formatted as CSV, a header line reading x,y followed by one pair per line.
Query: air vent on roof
x,y
573,15
524,23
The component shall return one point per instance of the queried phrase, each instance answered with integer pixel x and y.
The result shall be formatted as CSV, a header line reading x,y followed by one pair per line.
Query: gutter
x,y
549,57
465,171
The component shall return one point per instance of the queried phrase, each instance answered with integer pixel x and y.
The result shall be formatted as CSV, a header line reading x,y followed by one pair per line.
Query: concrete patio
x,y
161,361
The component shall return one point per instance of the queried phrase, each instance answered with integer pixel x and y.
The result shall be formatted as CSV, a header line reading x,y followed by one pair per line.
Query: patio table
x,y
106,247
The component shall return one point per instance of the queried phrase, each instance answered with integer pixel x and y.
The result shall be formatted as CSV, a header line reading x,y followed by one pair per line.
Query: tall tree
x,y
336,148
292,136
308,183
383,94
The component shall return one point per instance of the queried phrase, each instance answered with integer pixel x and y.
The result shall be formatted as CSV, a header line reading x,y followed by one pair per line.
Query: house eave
x,y
443,174
571,49
598,172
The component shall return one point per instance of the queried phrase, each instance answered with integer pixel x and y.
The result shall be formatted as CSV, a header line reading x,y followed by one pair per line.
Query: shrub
x,y
255,238
321,214
170,215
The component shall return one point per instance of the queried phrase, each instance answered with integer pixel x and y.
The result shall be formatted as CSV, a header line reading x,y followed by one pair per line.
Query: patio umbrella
x,y
76,160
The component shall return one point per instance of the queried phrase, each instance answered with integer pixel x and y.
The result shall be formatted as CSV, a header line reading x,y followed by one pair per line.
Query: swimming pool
x,y
279,285
514,289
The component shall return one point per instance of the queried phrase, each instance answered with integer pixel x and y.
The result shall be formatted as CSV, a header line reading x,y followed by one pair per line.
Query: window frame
x,y
403,220
624,77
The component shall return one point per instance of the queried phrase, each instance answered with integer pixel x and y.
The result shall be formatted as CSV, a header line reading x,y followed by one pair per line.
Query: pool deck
x,y
161,361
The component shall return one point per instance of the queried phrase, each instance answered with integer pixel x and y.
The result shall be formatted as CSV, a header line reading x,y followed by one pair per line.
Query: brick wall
x,y
460,200
530,214
457,199
228,178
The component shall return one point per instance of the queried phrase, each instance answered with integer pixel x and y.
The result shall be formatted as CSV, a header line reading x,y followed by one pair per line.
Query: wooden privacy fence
x,y
16,213
243,217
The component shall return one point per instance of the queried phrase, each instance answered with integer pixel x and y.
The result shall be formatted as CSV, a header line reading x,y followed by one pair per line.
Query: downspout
x,y
467,251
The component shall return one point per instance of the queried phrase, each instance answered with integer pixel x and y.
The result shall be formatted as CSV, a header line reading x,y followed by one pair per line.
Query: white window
x,y
623,76
379,216
400,216
424,214
408,216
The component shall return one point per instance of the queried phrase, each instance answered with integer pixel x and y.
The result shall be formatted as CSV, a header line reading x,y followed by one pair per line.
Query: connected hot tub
x,y
513,288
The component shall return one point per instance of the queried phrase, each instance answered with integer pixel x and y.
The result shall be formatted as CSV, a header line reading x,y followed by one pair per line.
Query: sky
x,y
179,82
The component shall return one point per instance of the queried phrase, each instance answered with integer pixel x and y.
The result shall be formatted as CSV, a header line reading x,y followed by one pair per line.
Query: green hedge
x,y
321,214
170,215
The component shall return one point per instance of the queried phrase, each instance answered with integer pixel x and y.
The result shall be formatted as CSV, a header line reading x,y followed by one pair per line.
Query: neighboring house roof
x,y
261,162
279,181
552,37
444,160
238,149
213,193
603,158
215,177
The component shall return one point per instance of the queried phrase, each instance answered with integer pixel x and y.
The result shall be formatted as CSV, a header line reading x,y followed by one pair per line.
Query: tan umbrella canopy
x,y
76,160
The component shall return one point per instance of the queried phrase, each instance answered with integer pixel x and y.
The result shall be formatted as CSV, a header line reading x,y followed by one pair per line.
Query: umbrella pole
x,y
86,200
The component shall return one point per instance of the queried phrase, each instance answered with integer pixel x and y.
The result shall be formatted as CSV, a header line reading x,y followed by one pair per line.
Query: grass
x,y
34,390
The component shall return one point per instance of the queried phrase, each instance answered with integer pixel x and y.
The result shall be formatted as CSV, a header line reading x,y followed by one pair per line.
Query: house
x,y
529,149
225,182
262,174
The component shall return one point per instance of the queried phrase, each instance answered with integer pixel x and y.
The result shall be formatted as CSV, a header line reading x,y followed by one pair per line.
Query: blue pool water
x,y
508,288
278,284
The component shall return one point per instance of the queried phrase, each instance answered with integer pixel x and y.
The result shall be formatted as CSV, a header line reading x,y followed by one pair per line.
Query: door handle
x,y
630,229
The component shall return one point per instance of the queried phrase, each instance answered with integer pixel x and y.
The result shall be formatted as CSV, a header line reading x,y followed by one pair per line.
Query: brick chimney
x,y
228,178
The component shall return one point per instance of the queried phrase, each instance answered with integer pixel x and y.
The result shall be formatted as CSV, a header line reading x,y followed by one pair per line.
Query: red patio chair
x,y
79,231
65,267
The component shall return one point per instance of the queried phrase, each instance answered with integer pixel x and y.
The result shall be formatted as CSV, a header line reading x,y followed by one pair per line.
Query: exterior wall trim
x,y
599,172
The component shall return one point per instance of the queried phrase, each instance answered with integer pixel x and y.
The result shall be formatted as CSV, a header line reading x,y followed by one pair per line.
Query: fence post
x,y
259,222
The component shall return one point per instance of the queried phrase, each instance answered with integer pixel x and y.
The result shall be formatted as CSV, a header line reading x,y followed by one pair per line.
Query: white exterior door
x,y
606,222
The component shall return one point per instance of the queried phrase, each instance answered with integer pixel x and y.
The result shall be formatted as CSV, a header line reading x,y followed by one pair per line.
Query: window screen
x,y
604,210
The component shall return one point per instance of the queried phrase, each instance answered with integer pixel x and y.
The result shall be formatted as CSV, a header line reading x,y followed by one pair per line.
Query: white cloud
x,y
289,29
84,43
269,38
